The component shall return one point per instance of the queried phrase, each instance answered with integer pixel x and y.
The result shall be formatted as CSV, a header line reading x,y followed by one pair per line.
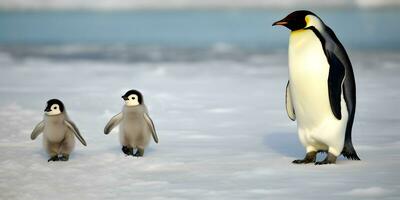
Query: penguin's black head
x,y
54,107
295,20
132,98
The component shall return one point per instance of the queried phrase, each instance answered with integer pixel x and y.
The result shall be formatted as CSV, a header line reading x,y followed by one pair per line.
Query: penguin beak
x,y
125,98
47,109
280,22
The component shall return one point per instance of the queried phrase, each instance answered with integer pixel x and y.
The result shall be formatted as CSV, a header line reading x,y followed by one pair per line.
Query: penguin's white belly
x,y
133,133
308,75
54,132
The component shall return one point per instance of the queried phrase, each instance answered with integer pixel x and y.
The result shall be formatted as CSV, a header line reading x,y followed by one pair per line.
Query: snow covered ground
x,y
223,131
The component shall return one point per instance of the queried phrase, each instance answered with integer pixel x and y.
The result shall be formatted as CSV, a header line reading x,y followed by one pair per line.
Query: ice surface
x,y
223,131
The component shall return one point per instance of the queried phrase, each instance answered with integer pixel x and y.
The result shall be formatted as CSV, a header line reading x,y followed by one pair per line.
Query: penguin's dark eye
x,y
55,107
133,98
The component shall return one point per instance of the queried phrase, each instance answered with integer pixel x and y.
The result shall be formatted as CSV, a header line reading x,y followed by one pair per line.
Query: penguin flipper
x,y
335,81
289,106
114,121
75,130
151,126
334,54
340,73
37,130
349,90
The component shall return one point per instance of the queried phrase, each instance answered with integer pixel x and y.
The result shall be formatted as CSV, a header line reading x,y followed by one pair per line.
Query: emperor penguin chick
x,y
136,126
58,131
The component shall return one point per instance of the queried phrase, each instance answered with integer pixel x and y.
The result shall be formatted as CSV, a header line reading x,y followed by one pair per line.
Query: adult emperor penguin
x,y
136,126
321,91
58,131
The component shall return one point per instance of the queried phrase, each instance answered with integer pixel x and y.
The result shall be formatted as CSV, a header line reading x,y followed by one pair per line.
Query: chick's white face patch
x,y
133,100
54,110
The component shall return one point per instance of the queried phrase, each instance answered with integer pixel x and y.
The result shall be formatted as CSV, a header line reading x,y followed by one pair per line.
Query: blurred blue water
x,y
100,33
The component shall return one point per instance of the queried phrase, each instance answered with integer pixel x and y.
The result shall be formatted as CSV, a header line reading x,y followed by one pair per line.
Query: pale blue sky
x,y
140,4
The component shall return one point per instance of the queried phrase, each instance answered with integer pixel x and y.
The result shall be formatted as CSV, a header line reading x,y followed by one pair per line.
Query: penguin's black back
x,y
349,93
339,61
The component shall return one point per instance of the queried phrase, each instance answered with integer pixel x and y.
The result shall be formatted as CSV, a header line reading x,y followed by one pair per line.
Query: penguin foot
x,y
64,158
53,158
330,159
309,158
127,151
139,153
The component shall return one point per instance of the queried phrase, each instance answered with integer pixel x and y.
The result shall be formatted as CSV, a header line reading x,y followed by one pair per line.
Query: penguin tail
x,y
349,152
348,149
